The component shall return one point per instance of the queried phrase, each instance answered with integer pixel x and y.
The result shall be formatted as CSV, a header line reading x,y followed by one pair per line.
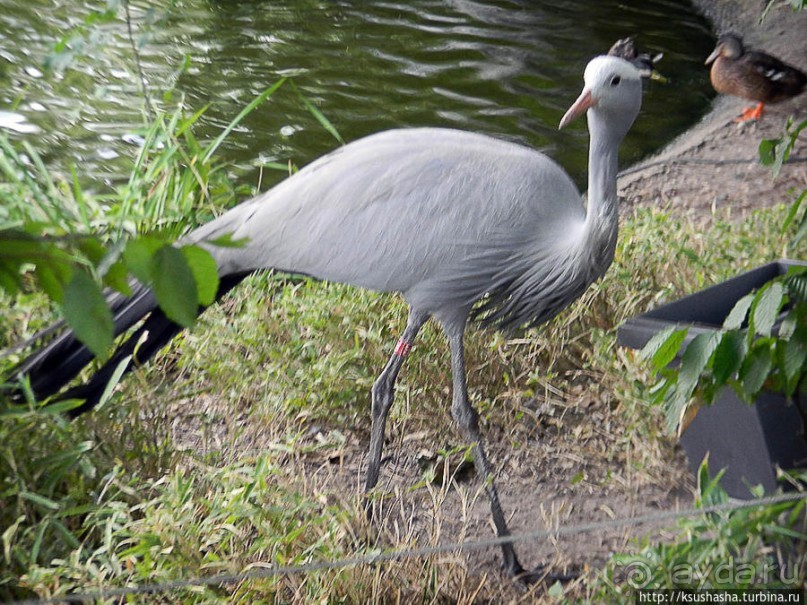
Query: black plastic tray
x,y
703,311
747,442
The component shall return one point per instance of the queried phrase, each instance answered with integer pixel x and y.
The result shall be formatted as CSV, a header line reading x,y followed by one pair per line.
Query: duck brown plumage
x,y
752,75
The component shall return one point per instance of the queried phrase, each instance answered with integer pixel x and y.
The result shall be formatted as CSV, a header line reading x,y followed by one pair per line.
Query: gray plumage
x,y
445,217
462,225
432,213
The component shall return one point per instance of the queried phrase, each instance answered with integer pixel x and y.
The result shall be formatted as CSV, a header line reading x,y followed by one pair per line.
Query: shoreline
x,y
713,168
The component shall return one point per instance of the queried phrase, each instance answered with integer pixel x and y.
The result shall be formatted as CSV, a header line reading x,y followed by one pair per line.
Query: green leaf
x,y
205,273
318,115
709,490
9,277
663,347
8,536
66,534
728,356
23,247
227,241
696,356
87,313
796,283
92,248
793,354
113,381
52,278
767,151
766,308
736,317
755,369
117,278
794,210
61,407
211,149
788,326
139,254
694,362
39,500
174,286
690,254
775,152
801,231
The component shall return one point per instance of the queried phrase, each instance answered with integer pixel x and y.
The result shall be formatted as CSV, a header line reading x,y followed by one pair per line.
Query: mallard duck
x,y
752,75
644,62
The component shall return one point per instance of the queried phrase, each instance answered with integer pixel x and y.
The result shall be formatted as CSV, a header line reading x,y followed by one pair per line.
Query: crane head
x,y
614,87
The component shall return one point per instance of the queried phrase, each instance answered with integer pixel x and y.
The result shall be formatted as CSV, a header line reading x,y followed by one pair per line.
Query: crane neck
x,y
603,165
602,217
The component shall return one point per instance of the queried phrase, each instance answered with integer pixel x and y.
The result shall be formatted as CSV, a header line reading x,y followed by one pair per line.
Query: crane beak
x,y
578,108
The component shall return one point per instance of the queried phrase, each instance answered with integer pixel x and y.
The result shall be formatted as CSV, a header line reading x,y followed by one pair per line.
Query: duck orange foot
x,y
751,113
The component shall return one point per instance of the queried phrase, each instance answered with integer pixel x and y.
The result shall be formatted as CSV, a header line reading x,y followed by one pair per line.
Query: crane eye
x,y
615,81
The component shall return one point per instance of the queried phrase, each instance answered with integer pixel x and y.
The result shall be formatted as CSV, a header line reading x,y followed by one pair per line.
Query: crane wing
x,y
420,211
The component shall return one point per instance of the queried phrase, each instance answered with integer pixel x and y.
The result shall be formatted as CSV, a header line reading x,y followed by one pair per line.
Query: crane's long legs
x,y
384,392
464,414
468,420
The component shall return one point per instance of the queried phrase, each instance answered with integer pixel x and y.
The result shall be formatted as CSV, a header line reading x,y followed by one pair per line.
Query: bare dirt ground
x,y
711,168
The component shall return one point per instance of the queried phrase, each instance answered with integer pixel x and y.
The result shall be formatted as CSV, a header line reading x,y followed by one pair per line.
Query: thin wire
x,y
143,81
701,161
399,555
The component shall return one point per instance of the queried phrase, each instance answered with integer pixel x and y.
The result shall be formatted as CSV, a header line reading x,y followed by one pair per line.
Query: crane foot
x,y
541,574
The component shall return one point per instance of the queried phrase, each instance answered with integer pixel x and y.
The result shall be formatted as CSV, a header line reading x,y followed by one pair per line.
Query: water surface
x,y
504,67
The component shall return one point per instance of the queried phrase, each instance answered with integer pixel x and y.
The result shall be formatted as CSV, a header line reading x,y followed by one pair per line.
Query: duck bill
x,y
583,103
712,57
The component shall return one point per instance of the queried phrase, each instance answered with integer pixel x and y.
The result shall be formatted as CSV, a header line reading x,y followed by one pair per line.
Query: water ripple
x,y
506,67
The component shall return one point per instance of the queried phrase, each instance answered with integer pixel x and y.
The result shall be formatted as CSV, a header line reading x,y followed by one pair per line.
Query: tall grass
x,y
54,491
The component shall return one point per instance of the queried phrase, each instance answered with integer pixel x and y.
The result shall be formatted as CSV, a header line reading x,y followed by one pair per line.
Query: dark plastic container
x,y
748,441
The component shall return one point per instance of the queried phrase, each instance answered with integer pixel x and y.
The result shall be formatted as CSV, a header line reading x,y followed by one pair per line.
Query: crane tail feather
x,y
51,368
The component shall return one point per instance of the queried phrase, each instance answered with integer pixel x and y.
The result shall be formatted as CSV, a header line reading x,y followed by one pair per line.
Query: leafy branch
x,y
80,248
763,340
762,345
71,244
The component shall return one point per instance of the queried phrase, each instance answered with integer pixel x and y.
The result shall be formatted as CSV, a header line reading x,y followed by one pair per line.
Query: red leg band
x,y
402,348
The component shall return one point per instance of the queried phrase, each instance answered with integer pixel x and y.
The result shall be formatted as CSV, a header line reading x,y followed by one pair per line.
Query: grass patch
x,y
242,445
